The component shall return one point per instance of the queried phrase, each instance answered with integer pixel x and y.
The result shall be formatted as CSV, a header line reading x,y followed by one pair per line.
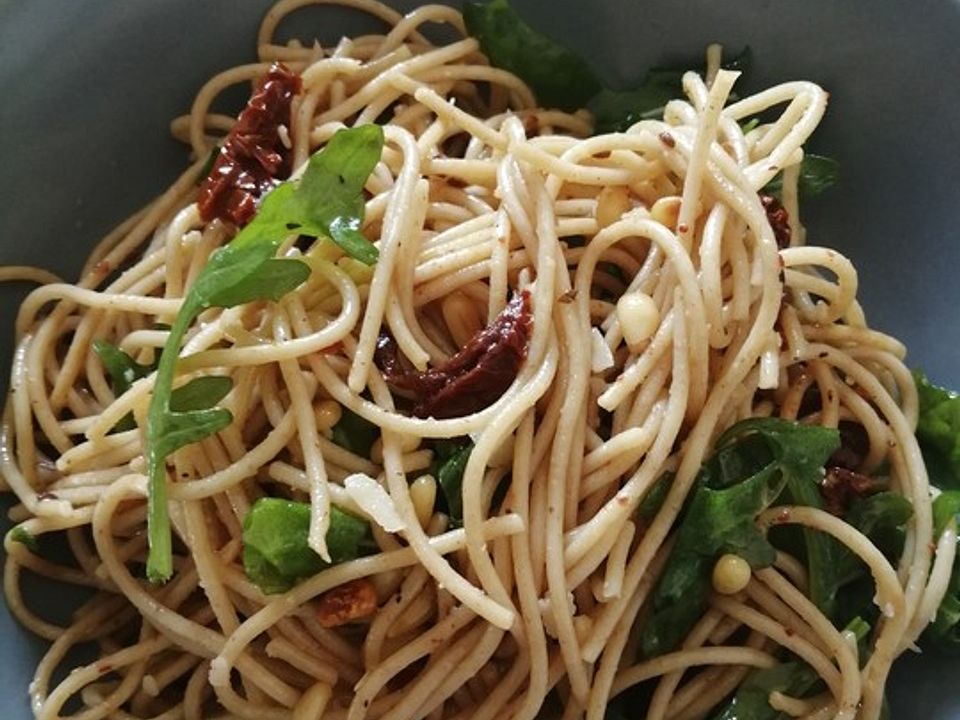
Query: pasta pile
x,y
661,313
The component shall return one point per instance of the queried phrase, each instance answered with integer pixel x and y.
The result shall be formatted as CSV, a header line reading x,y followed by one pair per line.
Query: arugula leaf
x,y
355,433
752,464
559,77
198,394
617,110
938,431
817,173
123,371
22,535
449,461
327,200
276,555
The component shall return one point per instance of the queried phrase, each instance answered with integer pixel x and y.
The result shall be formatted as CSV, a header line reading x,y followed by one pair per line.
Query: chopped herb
x,y
326,201
276,555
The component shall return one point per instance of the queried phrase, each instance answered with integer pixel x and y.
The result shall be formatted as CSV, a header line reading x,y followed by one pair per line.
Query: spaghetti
x,y
661,313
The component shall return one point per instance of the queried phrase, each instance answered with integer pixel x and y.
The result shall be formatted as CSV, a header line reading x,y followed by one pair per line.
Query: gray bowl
x,y
88,89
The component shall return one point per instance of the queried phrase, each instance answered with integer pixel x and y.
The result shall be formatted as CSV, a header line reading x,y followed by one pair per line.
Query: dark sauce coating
x,y
472,379
252,158
779,219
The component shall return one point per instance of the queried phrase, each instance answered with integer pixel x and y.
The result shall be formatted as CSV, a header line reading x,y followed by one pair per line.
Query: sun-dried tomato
x,y
841,486
253,158
473,378
779,219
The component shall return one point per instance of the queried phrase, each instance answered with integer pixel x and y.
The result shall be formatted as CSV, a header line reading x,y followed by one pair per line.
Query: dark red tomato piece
x,y
472,379
253,159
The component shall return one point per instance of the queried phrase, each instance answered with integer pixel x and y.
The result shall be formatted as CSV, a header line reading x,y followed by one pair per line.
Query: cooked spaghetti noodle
x,y
479,194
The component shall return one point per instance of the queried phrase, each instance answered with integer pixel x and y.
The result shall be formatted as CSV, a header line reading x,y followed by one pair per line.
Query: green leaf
x,y
331,192
751,701
200,393
946,507
184,428
752,464
326,200
944,632
817,173
449,462
123,371
559,77
262,279
793,678
802,451
653,500
25,537
882,517
355,433
617,110
276,555
938,431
